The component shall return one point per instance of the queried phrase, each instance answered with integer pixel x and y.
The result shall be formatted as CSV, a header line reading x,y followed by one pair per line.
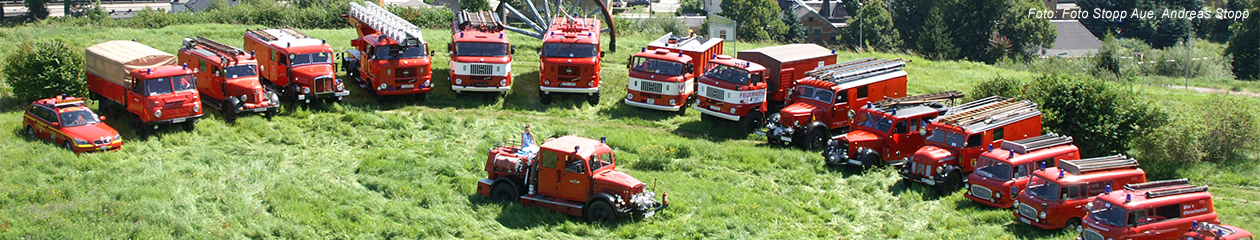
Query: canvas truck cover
x,y
114,60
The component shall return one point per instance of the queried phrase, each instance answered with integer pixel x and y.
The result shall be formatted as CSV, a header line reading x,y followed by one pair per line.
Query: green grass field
x,y
407,169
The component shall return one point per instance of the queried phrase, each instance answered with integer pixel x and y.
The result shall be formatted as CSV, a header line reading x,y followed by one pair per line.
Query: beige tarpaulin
x,y
114,60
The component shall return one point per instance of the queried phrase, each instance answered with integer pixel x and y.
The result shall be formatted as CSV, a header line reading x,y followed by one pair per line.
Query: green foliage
x,y
1024,35
37,9
1244,49
796,32
41,69
999,86
1171,61
1158,31
933,38
1227,135
758,19
872,28
1107,60
475,5
1103,117
692,6
977,30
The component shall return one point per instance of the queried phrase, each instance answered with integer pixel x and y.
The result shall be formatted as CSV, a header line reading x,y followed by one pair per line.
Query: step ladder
x,y
1023,146
483,20
918,99
1078,167
849,71
386,23
219,47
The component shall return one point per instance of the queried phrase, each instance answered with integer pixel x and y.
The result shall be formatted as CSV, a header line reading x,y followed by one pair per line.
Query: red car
x,y
66,121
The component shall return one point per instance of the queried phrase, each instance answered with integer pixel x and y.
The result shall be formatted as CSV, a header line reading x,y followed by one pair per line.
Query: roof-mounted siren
x,y
189,43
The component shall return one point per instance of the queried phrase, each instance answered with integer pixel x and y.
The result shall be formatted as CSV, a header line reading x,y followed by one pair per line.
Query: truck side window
x,y
1020,171
547,159
50,115
1071,192
974,140
999,133
914,125
1172,211
575,165
861,92
842,96
1137,217
901,127
202,67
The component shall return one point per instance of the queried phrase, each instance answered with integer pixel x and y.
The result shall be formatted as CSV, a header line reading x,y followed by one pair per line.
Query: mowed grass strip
x,y
405,168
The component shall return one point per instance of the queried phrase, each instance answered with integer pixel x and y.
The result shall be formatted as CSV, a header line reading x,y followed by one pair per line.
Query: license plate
x,y
1025,220
715,108
408,86
649,214
105,147
568,84
177,120
928,181
786,139
651,101
260,109
855,162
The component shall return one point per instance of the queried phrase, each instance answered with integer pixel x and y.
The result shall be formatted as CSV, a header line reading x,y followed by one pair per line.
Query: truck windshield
x,y
812,93
601,161
877,122
1044,189
728,73
399,52
994,169
657,66
570,50
168,85
1104,212
946,138
78,118
312,58
481,49
241,71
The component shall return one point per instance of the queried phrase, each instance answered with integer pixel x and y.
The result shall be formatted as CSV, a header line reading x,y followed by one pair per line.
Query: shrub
x,y
37,9
39,69
1225,135
999,86
1101,116
1107,61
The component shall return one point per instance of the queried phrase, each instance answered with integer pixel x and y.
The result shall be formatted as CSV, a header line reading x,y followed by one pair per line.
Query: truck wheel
x,y
68,146
142,130
593,99
816,139
544,97
271,113
951,184
750,122
229,111
869,161
422,97
600,212
1073,224
291,92
504,192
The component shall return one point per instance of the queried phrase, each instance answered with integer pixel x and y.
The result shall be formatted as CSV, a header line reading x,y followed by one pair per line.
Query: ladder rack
x,y
219,47
849,71
482,20
262,34
1176,191
1023,146
988,112
1156,184
838,65
1078,167
386,23
918,99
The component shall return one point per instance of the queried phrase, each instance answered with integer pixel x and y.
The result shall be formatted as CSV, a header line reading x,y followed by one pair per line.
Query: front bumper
x,y
323,95
654,106
468,83
782,132
731,117
908,175
996,202
173,120
569,90
645,207
838,156
107,147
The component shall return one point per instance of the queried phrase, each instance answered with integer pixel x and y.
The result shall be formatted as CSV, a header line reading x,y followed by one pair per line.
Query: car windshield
x,y
813,93
657,66
168,85
994,169
728,74
879,123
79,117
570,50
946,138
312,58
481,49
399,52
242,71
1044,189
601,161
1105,212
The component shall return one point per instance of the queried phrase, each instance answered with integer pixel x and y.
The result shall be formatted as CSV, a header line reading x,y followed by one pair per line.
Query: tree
x,y
37,9
1025,35
1108,58
758,19
874,25
475,5
978,30
796,32
43,68
933,40
1244,50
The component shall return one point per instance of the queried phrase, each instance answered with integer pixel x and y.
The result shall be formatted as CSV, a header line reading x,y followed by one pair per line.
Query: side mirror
x,y
55,124
450,47
512,49
923,131
431,53
601,54
102,118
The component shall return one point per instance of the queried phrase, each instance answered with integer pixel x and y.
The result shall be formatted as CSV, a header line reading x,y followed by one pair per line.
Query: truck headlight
x,y
1042,216
590,84
196,107
503,83
306,90
673,102
796,123
244,97
852,114
732,110
629,96
157,113
341,87
459,81
940,169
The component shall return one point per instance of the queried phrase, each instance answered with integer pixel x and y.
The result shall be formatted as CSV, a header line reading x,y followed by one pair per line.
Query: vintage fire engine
x,y
66,120
295,65
958,138
887,128
663,75
572,175
144,82
481,55
1208,231
390,56
760,82
1062,192
228,78
821,102
1153,210
1003,173
569,59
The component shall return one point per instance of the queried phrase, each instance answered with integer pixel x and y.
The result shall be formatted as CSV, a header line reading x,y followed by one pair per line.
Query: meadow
x,y
403,168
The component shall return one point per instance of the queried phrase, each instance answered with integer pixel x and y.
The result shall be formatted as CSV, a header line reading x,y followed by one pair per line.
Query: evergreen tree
x,y
1244,49
874,25
796,32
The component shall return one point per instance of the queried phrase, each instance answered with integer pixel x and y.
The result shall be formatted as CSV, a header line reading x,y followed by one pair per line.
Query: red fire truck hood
x,y
571,61
932,154
479,59
863,138
90,132
312,71
799,111
618,179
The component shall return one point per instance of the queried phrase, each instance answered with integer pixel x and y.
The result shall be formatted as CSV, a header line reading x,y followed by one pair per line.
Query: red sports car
x,y
69,123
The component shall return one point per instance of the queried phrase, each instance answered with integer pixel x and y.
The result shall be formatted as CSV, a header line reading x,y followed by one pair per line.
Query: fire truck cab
x,y
295,65
887,128
663,74
821,103
569,59
1003,174
734,90
144,82
1153,210
390,56
957,139
481,55
229,78
1055,197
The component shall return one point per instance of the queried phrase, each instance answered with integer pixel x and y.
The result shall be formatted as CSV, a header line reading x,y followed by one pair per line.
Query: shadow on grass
x,y
623,111
519,217
1025,231
905,186
715,130
846,170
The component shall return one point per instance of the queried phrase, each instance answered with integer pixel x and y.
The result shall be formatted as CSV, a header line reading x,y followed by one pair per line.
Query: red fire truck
x,y
228,78
296,65
821,102
481,55
1062,192
390,56
663,75
1007,170
1208,231
958,138
1153,210
738,90
144,82
886,129
572,175
569,59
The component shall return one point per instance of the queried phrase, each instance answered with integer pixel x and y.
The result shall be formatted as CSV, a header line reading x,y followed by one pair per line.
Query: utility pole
x,y
861,41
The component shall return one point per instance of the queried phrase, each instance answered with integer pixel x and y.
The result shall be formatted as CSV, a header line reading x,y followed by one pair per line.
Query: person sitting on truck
x,y
528,147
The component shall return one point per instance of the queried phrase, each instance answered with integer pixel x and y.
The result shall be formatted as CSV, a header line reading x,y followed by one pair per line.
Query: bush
x,y
1107,61
1244,51
40,69
1227,134
999,86
37,9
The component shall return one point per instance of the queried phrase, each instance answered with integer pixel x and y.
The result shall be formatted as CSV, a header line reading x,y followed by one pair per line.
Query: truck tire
x,y
504,192
544,97
816,139
600,212
593,99
869,161
229,111
68,147
952,183
422,97
291,92
750,122
1073,224
142,130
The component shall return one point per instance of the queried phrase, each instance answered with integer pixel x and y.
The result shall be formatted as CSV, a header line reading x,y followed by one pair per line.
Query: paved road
x,y
120,10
